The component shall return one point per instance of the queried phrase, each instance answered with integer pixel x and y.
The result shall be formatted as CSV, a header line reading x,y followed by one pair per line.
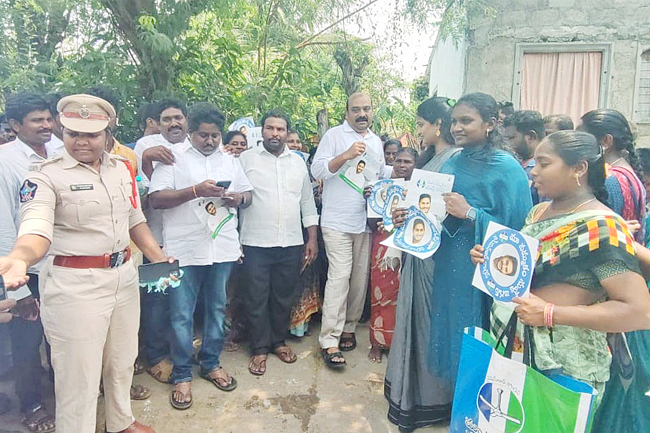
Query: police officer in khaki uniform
x,y
82,208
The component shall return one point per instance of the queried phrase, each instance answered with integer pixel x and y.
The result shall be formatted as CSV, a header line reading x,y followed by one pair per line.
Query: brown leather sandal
x,y
161,371
285,354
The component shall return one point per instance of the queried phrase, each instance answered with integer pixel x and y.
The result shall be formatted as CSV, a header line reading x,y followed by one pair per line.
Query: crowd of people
x,y
268,236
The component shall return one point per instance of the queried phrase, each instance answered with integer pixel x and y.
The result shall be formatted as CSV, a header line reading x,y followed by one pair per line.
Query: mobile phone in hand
x,y
225,184
152,272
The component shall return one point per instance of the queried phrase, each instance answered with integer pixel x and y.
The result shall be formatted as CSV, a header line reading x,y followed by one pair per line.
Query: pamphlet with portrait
x,y
510,258
425,191
214,214
360,171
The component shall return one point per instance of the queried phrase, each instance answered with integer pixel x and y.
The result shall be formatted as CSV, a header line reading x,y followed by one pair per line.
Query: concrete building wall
x,y
447,69
491,44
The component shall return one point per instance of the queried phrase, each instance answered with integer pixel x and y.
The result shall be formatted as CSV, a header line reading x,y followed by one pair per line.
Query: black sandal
x,y
181,404
231,385
329,359
352,339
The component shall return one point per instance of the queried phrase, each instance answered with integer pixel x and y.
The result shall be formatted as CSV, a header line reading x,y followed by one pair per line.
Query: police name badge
x,y
510,258
82,187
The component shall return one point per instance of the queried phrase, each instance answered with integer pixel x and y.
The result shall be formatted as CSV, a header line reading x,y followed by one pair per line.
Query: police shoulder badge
x,y
27,191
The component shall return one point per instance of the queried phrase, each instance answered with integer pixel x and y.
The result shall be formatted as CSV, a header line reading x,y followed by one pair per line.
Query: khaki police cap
x,y
85,113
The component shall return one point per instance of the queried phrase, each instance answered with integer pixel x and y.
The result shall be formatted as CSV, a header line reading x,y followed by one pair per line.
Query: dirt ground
x,y
301,397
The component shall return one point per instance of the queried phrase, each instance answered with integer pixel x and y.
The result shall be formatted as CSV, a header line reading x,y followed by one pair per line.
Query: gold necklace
x,y
538,217
614,163
582,204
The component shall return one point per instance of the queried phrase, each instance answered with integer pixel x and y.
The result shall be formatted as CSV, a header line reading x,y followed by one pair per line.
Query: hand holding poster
x,y
378,195
418,235
361,170
425,191
509,264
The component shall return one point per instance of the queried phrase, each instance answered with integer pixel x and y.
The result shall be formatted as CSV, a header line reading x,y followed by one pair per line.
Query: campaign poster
x,y
395,195
361,170
213,214
242,125
254,137
425,191
510,258
246,125
377,198
418,236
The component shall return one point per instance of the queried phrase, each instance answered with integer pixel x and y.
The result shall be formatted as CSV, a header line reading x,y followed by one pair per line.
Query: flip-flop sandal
x,y
262,368
140,392
161,371
232,385
329,359
352,339
181,405
37,418
285,354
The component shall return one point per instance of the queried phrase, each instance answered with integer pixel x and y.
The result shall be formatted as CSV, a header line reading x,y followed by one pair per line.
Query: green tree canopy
x,y
244,56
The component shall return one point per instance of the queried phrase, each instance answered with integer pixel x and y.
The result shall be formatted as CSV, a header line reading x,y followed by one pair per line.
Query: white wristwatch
x,y
471,214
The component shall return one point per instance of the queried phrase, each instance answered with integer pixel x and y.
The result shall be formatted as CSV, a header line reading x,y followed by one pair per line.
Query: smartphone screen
x,y
225,184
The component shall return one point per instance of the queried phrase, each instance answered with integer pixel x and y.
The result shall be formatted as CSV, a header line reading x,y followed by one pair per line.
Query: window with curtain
x,y
561,82
643,89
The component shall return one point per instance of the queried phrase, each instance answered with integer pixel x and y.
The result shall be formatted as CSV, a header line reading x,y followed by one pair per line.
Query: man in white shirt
x,y
189,191
272,238
345,232
29,115
150,151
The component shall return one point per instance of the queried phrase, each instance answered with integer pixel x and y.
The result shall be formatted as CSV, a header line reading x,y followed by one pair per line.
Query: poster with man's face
x,y
509,263
395,193
425,191
378,196
418,235
214,215
360,171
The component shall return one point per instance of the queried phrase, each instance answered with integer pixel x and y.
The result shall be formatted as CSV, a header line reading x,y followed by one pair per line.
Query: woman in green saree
x,y
587,279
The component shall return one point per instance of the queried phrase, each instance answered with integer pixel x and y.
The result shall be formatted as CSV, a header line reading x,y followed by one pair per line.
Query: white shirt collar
x,y
286,151
348,128
26,150
187,146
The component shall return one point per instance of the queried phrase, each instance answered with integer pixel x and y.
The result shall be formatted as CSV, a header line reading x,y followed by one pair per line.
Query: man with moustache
x,y
151,151
206,261
30,117
272,239
343,222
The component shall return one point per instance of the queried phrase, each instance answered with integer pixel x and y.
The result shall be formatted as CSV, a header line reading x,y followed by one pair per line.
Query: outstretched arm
x,y
28,250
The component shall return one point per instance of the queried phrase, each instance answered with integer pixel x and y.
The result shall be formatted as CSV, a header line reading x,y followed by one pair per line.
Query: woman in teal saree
x,y
489,185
